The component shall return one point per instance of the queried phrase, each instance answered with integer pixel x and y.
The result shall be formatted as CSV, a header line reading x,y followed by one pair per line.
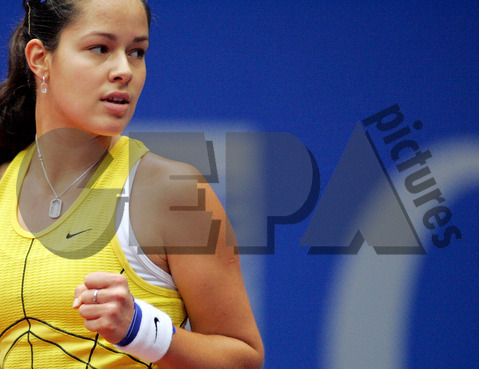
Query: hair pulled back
x,y
44,20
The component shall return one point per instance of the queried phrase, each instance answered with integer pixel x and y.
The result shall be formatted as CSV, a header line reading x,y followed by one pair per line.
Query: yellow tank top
x,y
39,272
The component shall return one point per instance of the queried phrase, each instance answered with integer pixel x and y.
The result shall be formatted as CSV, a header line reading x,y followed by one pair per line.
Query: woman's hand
x,y
108,311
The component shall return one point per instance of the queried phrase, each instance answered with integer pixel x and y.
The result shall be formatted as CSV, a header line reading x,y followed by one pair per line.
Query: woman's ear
x,y
38,58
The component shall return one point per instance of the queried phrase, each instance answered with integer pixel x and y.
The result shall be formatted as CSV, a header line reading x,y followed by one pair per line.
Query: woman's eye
x,y
139,53
100,49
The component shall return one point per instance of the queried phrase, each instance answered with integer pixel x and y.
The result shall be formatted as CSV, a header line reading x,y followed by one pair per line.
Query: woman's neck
x,y
68,152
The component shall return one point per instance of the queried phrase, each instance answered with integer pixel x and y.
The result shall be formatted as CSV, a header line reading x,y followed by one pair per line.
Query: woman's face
x,y
98,70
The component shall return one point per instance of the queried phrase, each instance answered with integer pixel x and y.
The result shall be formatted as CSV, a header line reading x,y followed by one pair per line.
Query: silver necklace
x,y
56,203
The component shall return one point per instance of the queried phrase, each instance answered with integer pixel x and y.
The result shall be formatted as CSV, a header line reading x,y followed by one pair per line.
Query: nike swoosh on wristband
x,y
156,320
69,235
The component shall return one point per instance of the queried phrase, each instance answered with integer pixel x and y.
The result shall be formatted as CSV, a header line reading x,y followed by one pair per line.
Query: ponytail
x,y
17,99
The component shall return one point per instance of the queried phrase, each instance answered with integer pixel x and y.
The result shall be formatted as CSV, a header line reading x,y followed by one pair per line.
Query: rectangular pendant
x,y
55,208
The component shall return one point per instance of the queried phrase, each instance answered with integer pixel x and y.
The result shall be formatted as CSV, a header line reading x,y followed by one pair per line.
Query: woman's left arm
x,y
224,333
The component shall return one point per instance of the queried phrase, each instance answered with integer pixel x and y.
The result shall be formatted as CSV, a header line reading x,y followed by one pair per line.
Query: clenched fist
x,y
106,304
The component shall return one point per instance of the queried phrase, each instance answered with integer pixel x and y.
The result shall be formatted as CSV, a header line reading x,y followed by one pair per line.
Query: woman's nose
x,y
121,70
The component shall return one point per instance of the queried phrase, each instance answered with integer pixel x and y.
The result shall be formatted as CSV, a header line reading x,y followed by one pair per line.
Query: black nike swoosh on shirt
x,y
156,320
69,235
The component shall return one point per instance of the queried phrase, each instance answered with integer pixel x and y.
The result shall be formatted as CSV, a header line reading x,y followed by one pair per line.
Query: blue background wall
x,y
314,69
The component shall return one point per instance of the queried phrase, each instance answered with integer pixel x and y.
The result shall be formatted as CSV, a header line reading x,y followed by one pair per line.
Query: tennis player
x,y
105,248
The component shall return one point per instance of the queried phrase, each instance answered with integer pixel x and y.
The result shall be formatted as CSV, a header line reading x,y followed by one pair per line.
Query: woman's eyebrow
x,y
141,39
113,37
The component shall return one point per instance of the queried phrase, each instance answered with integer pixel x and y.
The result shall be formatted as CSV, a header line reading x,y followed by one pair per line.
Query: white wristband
x,y
154,336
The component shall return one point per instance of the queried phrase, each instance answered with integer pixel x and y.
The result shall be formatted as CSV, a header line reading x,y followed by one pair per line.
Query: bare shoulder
x,y
167,180
159,164
164,196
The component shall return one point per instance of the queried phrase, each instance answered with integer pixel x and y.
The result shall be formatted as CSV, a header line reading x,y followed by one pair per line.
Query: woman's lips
x,y
116,108
117,102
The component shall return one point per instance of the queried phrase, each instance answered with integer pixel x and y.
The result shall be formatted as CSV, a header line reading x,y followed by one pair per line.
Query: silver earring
x,y
44,86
